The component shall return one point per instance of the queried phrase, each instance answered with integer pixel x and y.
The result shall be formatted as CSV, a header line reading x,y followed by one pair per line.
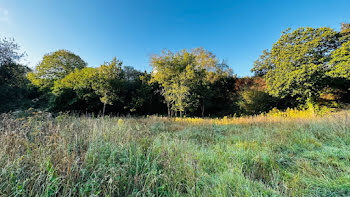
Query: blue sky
x,y
97,30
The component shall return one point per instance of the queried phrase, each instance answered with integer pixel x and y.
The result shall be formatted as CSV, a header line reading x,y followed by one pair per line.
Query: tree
x,y
76,92
340,62
169,70
297,63
108,82
137,96
254,101
85,85
345,32
339,71
263,64
16,91
9,51
209,72
53,67
180,89
185,76
219,97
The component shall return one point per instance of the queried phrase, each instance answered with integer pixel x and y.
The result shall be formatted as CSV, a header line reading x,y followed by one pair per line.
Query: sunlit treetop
x,y
340,63
297,63
55,66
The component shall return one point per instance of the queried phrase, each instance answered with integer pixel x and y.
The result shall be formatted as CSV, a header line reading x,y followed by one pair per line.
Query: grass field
x,y
111,156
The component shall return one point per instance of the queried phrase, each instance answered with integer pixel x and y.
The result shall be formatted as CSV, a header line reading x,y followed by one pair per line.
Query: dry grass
x,y
109,156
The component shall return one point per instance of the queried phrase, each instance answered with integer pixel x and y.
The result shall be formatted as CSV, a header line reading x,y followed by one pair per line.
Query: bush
x,y
256,101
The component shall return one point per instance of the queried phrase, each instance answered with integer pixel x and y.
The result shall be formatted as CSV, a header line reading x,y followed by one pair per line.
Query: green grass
x,y
83,156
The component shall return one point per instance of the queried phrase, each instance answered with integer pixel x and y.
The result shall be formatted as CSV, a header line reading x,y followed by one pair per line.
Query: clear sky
x,y
97,30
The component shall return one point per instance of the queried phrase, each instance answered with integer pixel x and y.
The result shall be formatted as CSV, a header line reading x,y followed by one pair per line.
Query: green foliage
x,y
340,63
76,92
88,83
299,58
53,67
305,65
138,95
303,62
108,82
16,92
263,64
254,101
185,77
125,90
218,98
174,72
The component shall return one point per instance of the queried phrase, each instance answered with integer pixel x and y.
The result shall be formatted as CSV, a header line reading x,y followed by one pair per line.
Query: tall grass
x,y
275,115
109,156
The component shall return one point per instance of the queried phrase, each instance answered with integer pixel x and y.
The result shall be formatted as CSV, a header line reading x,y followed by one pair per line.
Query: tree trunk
x,y
202,108
104,109
169,112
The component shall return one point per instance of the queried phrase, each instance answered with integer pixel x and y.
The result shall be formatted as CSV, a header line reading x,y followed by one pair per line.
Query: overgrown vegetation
x,y
109,156
305,67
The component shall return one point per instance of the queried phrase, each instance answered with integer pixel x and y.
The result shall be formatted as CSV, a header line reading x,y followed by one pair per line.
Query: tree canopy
x,y
9,51
306,64
340,62
184,76
298,62
55,66
16,91
108,82
89,83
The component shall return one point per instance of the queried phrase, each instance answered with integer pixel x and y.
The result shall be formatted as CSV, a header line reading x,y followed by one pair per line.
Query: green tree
x,y
263,64
208,73
185,77
339,72
169,70
180,89
297,63
83,86
16,91
219,97
137,96
53,67
340,62
76,91
254,101
108,82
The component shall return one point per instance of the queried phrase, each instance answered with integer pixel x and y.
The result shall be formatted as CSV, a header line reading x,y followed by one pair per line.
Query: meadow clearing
x,y
104,98
266,155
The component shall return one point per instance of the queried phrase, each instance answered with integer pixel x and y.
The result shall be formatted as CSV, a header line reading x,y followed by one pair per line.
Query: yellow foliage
x,y
274,115
291,113
120,123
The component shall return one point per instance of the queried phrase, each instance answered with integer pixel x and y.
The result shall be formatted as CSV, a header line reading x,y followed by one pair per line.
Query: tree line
x,y
307,66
